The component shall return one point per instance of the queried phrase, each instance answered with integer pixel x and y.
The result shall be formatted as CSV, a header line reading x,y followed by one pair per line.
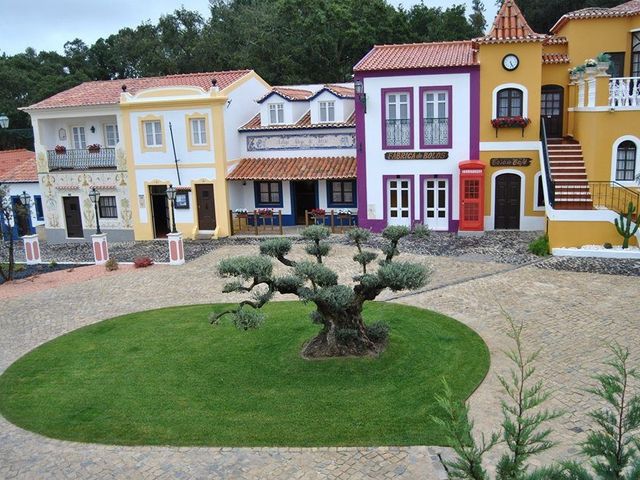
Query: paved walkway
x,y
570,316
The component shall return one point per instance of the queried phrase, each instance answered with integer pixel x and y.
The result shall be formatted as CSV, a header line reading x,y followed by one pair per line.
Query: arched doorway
x,y
552,109
507,202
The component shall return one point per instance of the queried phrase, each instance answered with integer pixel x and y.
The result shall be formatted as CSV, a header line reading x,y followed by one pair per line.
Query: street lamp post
x,y
25,198
94,195
171,195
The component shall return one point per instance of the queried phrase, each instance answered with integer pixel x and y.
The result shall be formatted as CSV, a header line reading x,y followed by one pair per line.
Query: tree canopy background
x,y
285,41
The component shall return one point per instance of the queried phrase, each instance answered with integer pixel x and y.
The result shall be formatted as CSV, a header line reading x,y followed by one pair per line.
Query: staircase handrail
x,y
621,206
547,167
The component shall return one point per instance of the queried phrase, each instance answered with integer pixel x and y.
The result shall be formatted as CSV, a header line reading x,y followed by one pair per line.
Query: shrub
x,y
18,267
421,231
378,331
540,246
608,246
53,264
346,335
142,262
111,265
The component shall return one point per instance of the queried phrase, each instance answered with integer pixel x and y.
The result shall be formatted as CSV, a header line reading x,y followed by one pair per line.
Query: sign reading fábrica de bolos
x,y
416,155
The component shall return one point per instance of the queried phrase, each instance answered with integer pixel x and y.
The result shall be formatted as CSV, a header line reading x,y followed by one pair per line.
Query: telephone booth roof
x,y
471,165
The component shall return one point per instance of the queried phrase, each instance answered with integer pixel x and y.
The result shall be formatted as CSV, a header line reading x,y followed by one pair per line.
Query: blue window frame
x,y
268,194
341,193
37,200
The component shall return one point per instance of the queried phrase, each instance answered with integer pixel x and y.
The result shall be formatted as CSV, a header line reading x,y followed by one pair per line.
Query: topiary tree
x,y
338,307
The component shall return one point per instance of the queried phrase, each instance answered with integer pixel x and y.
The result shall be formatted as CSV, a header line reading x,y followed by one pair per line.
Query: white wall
x,y
343,106
377,165
49,130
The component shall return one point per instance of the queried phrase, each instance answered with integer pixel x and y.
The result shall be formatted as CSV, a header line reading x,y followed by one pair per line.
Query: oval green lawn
x,y
166,377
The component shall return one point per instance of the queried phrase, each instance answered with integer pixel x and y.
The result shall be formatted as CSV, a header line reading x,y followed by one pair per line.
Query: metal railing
x,y
547,167
398,132
436,131
624,92
82,159
613,196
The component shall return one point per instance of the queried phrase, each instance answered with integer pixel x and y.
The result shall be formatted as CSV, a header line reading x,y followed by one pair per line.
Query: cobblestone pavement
x,y
569,315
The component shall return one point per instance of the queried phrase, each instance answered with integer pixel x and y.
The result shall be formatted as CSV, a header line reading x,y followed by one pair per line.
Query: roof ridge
x,y
16,150
417,44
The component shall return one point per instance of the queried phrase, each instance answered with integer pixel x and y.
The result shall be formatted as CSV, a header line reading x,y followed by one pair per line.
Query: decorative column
x,y
176,248
32,249
100,248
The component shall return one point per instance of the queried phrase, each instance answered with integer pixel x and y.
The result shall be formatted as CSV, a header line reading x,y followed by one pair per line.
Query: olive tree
x,y
338,306
7,218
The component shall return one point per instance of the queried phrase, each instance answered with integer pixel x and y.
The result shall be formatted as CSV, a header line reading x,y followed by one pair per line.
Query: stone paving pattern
x,y
570,316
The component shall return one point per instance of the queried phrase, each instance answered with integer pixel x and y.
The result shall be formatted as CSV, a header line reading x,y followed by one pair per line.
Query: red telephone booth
x,y
471,195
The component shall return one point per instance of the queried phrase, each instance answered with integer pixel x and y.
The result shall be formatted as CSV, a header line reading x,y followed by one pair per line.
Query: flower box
x,y
265,212
60,149
510,122
95,148
317,212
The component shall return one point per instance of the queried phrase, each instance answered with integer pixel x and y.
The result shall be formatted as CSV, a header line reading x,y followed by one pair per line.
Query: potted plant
x,y
265,212
603,62
94,148
590,66
60,149
241,212
510,122
580,71
573,74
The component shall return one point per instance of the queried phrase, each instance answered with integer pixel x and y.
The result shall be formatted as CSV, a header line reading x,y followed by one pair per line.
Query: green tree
x,y
338,306
477,18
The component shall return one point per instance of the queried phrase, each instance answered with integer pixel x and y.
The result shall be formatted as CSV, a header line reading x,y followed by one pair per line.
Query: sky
x,y
48,24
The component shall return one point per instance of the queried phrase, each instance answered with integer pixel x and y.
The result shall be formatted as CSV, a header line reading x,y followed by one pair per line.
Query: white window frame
x,y
397,106
327,111
198,127
436,103
82,138
276,113
517,86
116,135
156,133
536,191
614,160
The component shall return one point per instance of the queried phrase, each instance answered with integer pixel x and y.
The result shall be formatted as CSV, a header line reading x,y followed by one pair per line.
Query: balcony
x,y
398,133
436,131
624,92
82,159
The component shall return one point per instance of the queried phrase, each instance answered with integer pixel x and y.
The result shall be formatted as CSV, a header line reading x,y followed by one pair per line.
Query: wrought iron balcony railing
x,y
82,159
436,131
398,133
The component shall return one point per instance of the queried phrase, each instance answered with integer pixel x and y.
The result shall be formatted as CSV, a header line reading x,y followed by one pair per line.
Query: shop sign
x,y
510,162
416,155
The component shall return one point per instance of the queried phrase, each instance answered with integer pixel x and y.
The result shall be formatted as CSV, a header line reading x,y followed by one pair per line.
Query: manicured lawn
x,y
168,377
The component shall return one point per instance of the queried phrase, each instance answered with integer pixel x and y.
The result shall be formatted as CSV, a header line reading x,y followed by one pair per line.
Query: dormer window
x,y
276,113
327,112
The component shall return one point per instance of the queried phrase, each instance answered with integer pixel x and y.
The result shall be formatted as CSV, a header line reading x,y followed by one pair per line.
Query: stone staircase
x,y
569,175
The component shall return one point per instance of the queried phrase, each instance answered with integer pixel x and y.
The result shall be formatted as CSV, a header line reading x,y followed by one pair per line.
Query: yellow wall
x,y
558,74
597,132
492,74
529,172
577,234
588,38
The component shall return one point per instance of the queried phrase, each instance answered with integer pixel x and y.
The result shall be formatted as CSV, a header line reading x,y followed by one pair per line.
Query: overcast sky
x,y
48,24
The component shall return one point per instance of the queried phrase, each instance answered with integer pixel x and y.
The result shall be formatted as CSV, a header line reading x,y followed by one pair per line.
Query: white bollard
x,y
32,249
100,248
176,249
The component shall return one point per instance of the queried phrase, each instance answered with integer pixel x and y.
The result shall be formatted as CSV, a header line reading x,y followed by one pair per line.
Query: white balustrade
x,y
624,92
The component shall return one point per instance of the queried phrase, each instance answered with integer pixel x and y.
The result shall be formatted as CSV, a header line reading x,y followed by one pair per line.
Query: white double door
x,y
436,203
399,202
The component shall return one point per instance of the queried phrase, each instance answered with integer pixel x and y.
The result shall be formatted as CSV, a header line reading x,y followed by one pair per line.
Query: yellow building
x,y
579,171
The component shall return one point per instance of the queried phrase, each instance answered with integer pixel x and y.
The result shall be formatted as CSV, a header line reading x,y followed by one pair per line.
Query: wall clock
x,y
510,62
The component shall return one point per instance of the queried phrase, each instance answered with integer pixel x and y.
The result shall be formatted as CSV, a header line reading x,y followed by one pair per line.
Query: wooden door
x,y
305,198
507,202
552,110
73,217
206,207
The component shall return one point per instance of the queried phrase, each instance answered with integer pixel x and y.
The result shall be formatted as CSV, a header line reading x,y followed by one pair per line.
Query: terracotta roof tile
x,y
341,91
556,40
510,26
303,123
108,92
18,166
554,58
298,168
628,9
418,55
291,94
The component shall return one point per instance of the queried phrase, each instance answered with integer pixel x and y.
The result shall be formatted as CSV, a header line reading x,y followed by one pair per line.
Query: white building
x,y
297,153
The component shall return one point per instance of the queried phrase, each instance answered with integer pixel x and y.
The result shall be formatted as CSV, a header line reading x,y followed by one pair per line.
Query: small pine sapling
x,y
626,226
